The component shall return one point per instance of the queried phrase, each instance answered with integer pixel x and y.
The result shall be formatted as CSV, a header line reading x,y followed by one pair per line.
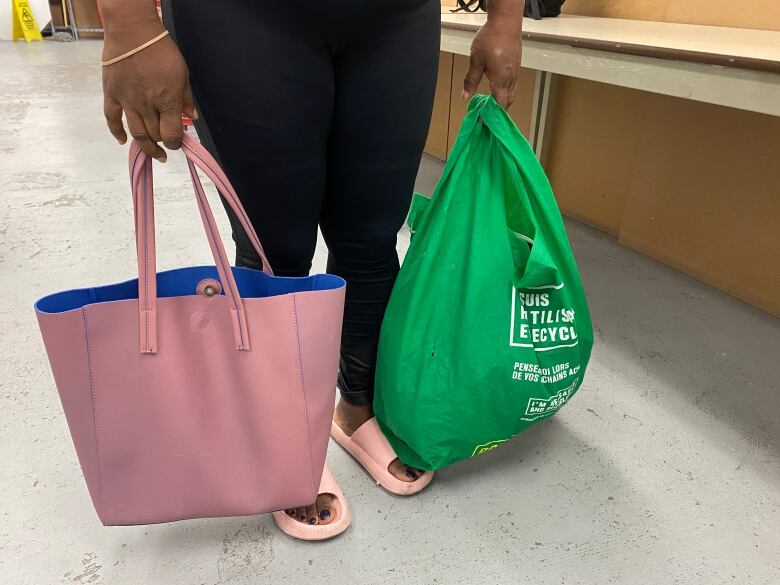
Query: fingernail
x,y
312,520
411,474
324,515
464,94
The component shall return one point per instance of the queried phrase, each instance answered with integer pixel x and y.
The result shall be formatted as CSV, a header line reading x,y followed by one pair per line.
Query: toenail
x,y
312,520
411,474
324,515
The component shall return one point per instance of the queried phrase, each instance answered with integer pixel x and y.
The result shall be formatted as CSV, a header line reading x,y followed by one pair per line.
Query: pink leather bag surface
x,y
198,392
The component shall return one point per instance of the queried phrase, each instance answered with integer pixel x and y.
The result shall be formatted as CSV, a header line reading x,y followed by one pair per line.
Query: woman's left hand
x,y
496,52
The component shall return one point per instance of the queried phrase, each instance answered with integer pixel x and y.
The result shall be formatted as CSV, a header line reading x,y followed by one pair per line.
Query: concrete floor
x,y
663,469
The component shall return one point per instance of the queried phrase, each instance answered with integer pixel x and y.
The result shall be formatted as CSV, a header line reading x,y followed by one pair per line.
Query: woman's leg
x,y
263,82
385,79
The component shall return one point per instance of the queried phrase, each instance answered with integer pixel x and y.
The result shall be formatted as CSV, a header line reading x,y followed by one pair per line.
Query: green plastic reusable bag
x,y
488,330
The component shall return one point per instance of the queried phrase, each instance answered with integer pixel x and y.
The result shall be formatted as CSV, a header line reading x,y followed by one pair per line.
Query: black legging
x,y
318,112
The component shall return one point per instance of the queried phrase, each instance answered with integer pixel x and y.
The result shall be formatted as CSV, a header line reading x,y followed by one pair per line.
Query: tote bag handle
x,y
143,205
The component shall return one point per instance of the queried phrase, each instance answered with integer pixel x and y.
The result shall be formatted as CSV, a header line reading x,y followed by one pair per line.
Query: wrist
x,y
121,39
509,21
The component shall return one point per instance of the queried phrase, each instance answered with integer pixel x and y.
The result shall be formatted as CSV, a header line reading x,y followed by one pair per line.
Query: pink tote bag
x,y
198,392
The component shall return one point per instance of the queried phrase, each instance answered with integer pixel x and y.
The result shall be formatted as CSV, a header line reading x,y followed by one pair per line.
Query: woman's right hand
x,y
151,88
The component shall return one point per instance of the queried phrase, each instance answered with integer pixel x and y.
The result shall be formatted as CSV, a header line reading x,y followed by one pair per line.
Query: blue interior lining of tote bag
x,y
183,282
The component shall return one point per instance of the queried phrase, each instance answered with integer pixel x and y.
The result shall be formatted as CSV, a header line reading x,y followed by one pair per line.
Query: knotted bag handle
x,y
143,205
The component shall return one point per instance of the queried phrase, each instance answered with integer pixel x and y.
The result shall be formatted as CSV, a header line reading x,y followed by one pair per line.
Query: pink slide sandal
x,y
370,447
292,527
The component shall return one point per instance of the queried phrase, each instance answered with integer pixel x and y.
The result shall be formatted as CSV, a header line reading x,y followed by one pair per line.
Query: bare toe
x,y
403,472
311,514
300,514
325,512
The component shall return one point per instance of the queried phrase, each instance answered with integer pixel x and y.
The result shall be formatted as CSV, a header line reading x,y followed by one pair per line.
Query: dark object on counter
x,y
536,9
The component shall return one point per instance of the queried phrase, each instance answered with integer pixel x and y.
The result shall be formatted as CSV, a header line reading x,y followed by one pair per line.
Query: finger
x,y
473,76
503,92
112,110
139,132
171,126
188,106
152,123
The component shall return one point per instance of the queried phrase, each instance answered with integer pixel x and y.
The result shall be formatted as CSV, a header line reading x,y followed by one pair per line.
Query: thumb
x,y
473,76
188,107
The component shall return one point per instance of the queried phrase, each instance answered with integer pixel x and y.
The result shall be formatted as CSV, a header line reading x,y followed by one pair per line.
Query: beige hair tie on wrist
x,y
134,51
